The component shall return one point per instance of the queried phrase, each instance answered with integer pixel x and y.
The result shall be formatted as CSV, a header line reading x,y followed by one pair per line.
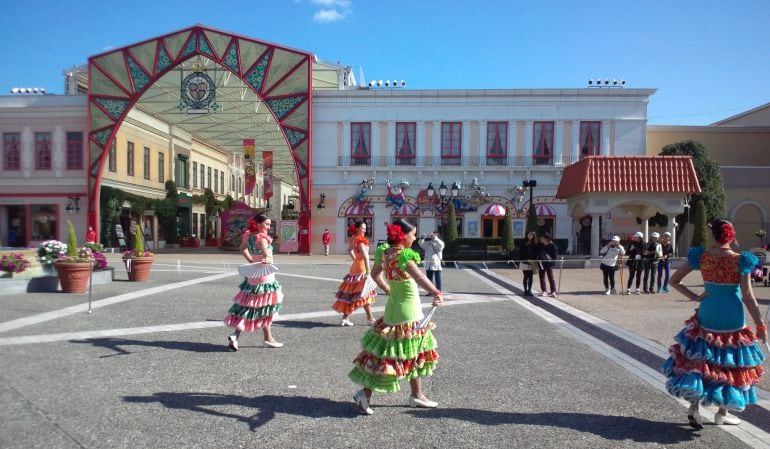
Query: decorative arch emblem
x,y
280,77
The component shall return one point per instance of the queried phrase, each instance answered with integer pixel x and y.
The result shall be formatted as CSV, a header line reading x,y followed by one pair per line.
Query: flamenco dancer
x,y
396,348
716,359
355,291
259,299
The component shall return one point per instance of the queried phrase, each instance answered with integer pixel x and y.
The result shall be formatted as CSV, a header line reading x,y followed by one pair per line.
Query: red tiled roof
x,y
629,174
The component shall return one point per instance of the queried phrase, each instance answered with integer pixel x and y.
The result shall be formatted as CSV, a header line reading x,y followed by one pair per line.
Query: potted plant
x,y
49,251
138,261
74,268
13,263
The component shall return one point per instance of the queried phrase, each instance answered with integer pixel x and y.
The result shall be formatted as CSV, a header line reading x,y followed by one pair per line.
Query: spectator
x,y
326,238
434,248
664,266
547,254
634,262
528,254
610,253
652,254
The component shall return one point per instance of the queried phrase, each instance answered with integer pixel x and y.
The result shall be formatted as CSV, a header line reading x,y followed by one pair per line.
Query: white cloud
x,y
335,3
328,15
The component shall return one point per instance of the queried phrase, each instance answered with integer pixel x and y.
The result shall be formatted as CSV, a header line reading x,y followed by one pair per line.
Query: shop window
x,y
491,227
44,221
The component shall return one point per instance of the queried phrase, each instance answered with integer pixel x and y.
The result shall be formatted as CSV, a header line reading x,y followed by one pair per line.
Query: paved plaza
x,y
149,367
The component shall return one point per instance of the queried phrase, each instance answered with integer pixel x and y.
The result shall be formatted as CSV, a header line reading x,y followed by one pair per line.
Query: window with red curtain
x,y
74,151
451,143
590,139
543,143
43,151
360,143
405,143
497,143
12,151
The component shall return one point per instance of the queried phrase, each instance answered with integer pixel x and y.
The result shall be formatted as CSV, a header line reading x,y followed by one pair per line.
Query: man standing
x,y
434,248
652,254
634,262
664,266
326,238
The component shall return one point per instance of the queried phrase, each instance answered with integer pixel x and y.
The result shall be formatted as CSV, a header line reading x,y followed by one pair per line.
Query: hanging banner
x,y
250,168
267,178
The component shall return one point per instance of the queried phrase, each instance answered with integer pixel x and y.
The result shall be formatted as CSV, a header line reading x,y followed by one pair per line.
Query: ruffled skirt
x,y
715,368
356,290
255,304
392,353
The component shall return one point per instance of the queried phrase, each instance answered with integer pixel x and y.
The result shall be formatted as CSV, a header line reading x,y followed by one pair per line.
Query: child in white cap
x,y
610,254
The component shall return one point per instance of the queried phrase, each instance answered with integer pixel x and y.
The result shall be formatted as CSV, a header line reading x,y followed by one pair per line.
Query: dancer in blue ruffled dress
x,y
716,359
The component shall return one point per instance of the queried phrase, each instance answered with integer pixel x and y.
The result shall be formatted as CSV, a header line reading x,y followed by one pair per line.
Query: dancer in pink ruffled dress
x,y
259,299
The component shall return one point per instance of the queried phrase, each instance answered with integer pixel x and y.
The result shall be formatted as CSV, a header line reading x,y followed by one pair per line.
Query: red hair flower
x,y
395,233
253,226
728,233
351,229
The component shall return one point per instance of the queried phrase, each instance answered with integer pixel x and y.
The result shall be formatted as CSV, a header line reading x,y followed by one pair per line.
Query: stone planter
x,y
138,268
73,277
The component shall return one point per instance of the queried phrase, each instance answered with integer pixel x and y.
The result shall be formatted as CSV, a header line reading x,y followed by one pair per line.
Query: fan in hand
x,y
257,270
427,318
370,288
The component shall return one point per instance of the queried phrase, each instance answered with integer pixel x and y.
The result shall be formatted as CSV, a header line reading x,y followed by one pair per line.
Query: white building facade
x,y
486,142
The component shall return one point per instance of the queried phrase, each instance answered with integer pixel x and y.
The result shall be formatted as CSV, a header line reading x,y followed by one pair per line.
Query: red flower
x,y
728,233
395,233
253,226
351,229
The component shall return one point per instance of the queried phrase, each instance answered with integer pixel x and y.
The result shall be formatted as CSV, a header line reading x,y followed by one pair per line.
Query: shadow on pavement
x,y
266,406
608,427
117,344
297,324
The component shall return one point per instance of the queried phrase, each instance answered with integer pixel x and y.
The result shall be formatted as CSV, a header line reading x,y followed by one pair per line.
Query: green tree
x,y
532,220
506,232
710,178
699,234
72,241
451,232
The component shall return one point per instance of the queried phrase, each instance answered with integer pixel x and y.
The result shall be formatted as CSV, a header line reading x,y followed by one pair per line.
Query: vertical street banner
x,y
250,165
267,170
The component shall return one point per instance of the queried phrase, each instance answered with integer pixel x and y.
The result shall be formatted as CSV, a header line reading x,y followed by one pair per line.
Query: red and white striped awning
x,y
544,210
361,208
495,210
406,210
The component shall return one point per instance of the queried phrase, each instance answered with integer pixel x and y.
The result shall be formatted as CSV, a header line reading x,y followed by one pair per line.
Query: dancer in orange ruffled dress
x,y
357,289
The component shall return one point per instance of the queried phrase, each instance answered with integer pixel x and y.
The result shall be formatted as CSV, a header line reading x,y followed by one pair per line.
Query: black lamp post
x,y
531,222
445,195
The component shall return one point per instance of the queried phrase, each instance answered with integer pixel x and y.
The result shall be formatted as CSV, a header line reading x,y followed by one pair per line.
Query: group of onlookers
x,y
647,263
538,255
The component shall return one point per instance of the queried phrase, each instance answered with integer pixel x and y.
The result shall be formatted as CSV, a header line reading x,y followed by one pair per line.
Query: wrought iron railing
x,y
462,161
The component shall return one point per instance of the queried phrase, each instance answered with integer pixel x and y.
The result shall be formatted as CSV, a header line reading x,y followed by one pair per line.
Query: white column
x,y
419,139
595,234
513,139
482,143
646,228
558,143
465,150
346,153
391,139
672,229
27,151
605,150
58,151
575,140
436,143
528,138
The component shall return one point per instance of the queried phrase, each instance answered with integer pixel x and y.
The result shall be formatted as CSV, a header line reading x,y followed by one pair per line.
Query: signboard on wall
x,y
234,222
289,237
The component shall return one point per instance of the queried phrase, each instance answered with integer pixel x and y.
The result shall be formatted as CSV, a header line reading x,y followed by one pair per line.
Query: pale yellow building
x,y
741,146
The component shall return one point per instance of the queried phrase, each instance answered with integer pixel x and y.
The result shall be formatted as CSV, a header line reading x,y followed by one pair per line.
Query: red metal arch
x,y
129,78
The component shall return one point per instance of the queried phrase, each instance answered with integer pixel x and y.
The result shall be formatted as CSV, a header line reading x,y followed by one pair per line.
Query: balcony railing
x,y
462,161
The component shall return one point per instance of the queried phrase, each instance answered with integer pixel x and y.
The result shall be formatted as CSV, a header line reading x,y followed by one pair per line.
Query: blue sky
x,y
708,59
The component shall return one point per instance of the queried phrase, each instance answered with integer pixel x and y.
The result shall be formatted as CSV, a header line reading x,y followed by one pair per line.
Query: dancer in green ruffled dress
x,y
397,348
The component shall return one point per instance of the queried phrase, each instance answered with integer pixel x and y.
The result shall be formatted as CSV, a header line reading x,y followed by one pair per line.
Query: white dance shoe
x,y
363,404
273,344
232,342
422,403
726,420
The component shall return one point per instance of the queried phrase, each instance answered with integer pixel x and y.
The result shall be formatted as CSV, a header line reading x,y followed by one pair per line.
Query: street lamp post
x,y
445,195
531,222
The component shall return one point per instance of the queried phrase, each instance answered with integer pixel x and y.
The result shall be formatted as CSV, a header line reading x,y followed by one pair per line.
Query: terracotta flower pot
x,y
138,268
73,277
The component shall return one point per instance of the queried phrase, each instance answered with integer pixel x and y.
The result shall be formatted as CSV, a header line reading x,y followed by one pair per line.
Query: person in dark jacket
x,y
547,254
634,254
664,266
651,257
528,253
